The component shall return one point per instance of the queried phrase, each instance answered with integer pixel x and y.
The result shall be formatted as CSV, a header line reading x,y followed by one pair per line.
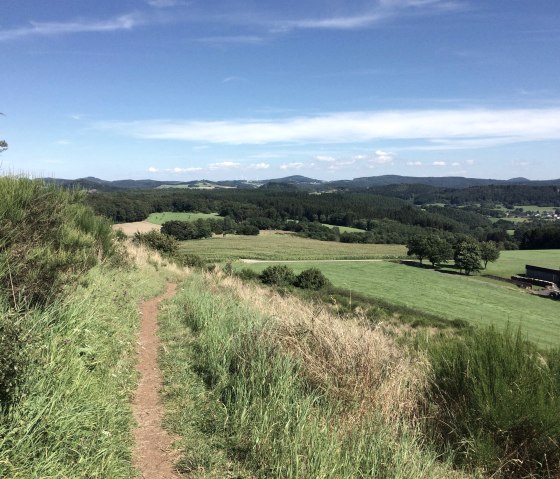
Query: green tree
x,y
467,256
417,246
489,252
438,250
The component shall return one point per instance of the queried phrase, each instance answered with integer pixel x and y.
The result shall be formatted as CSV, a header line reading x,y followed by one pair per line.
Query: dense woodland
x,y
391,214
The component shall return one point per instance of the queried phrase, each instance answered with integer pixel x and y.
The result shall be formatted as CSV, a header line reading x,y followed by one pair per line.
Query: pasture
x,y
160,218
451,296
271,245
513,262
345,229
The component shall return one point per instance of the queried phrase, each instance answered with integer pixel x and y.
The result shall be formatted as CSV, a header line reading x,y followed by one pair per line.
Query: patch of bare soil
x,y
142,226
152,455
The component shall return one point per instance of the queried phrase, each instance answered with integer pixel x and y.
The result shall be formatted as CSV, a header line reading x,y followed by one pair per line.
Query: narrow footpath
x,y
152,455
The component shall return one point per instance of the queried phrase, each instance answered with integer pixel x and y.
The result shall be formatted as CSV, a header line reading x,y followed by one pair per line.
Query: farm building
x,y
544,274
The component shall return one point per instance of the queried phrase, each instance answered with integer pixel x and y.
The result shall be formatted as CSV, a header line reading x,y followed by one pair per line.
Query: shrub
x,y
247,274
497,403
279,275
158,241
311,278
192,260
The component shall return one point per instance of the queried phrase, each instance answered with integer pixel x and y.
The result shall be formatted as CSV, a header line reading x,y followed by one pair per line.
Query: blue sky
x,y
191,89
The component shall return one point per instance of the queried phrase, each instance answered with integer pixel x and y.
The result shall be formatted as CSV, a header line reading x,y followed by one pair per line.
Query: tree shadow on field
x,y
416,264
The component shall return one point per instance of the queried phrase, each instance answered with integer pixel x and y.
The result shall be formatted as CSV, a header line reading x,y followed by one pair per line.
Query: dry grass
x,y
347,358
143,257
141,226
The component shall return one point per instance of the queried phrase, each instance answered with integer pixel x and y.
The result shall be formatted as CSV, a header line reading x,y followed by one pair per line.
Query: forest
x,y
385,215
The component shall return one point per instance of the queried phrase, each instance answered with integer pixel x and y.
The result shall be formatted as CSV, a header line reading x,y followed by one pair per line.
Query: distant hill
x,y
300,182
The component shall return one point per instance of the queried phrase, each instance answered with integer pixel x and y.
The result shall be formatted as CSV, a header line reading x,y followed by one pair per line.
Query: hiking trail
x,y
152,455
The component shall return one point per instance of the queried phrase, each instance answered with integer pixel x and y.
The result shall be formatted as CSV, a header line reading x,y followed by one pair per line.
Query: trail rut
x,y
152,455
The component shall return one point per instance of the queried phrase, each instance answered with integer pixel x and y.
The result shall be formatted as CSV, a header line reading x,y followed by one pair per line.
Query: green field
x,y
281,246
160,218
345,229
537,209
449,296
513,262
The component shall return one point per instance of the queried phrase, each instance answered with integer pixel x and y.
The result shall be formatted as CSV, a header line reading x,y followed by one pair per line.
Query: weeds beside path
x,y
152,452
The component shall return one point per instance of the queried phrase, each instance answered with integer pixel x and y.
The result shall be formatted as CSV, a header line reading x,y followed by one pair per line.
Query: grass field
x,y
281,246
446,295
345,229
160,218
513,262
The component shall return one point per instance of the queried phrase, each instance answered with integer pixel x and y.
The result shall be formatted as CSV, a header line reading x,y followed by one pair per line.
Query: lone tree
x,y
489,252
467,256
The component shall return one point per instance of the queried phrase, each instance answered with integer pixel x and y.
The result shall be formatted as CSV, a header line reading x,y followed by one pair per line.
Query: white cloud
x,y
439,163
382,157
292,166
469,162
474,127
259,166
153,169
455,163
224,165
414,163
191,169
62,142
122,22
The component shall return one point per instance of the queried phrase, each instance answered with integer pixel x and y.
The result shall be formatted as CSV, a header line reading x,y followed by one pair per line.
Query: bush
x,y
247,274
279,275
158,241
497,403
311,278
192,260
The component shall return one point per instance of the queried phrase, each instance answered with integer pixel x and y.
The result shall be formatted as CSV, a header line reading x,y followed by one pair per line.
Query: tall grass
x,y
71,417
48,237
495,401
286,392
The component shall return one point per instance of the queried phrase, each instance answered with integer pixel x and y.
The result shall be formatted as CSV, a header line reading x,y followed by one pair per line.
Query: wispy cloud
x,y
375,13
437,129
122,22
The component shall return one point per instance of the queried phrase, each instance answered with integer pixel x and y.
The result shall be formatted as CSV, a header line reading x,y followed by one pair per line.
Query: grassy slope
x,y
271,246
261,386
74,418
445,295
160,218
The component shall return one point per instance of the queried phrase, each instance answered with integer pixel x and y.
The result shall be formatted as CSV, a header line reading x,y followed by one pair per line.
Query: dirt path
x,y
152,455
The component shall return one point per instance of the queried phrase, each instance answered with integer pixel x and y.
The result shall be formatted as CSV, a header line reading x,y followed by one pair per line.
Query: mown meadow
x,y
450,296
278,246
